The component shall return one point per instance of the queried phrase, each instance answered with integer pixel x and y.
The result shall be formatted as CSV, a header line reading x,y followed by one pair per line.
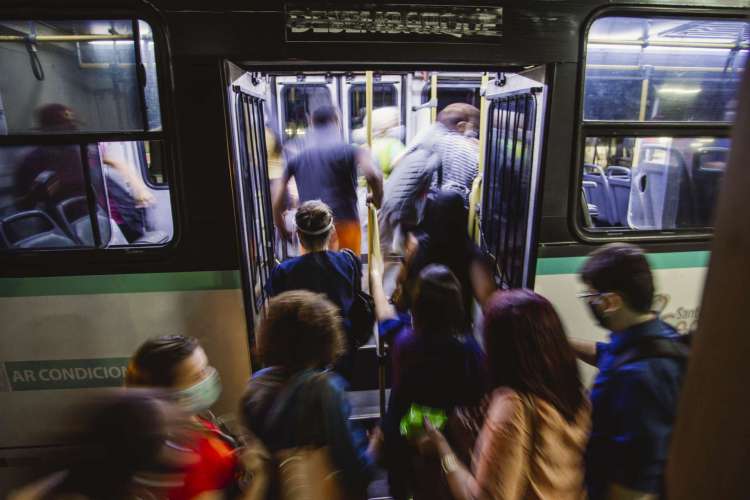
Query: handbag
x,y
362,310
299,473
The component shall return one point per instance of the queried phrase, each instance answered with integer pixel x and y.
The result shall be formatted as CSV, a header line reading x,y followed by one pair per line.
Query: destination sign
x,y
391,22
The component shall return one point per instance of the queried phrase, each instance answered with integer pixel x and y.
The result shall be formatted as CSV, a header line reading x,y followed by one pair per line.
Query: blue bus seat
x,y
33,229
75,217
601,195
619,184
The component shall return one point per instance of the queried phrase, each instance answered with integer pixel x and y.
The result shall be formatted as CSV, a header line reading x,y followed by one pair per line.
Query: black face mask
x,y
598,315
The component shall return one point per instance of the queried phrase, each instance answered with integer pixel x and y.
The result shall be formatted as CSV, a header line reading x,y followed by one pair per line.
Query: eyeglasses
x,y
589,295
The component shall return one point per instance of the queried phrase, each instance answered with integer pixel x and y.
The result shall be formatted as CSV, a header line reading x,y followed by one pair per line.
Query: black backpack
x,y
677,348
362,312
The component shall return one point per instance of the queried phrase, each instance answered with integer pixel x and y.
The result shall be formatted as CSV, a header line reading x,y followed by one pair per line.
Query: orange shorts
x,y
348,234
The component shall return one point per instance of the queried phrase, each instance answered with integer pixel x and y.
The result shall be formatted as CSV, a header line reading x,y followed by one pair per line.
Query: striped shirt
x,y
460,160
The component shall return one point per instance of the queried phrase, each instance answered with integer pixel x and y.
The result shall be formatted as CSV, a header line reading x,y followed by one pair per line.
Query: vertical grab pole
x,y
475,198
433,96
373,243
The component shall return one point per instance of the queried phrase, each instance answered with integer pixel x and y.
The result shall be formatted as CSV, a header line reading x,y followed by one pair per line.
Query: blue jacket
x,y
633,411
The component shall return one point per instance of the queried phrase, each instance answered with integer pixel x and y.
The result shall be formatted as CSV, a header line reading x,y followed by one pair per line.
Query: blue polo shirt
x,y
633,411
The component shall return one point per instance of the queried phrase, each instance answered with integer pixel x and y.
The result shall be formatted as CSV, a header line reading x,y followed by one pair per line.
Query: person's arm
x,y
371,173
384,310
279,206
482,281
500,460
141,194
349,447
585,350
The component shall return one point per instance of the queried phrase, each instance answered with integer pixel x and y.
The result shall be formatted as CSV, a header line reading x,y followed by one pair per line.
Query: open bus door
x,y
246,98
510,173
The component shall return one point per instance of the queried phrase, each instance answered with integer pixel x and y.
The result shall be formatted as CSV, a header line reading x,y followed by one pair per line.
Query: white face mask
x,y
471,133
201,396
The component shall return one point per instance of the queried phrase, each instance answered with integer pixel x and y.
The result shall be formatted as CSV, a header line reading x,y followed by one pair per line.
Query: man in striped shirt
x,y
445,157
458,149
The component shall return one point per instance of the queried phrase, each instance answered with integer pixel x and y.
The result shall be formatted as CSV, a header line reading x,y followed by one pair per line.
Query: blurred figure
x,y
433,365
534,434
129,438
51,174
295,404
386,140
179,365
326,169
406,190
458,147
318,269
641,369
443,239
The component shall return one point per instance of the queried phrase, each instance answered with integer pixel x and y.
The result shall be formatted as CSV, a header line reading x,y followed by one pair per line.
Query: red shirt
x,y
215,468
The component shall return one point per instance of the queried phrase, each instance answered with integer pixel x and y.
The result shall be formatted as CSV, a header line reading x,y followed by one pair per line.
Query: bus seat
x,y
33,229
590,211
74,214
619,184
601,195
708,168
153,238
655,188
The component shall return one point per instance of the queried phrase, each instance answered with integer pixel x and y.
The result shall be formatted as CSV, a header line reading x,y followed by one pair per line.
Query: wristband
x,y
449,463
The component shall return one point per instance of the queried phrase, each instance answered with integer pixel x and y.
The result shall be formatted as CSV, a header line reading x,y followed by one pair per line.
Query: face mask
x,y
201,396
598,315
471,133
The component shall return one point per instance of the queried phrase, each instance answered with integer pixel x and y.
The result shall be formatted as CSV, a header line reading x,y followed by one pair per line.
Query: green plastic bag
x,y
413,422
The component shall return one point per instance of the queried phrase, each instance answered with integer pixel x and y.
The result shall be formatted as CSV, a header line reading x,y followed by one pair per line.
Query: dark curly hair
x,y
301,329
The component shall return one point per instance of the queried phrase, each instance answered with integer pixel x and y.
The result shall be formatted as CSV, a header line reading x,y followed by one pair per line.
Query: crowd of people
x,y
504,416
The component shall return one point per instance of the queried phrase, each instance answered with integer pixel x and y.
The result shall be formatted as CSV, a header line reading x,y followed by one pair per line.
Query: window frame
x,y
350,91
59,257
282,93
610,128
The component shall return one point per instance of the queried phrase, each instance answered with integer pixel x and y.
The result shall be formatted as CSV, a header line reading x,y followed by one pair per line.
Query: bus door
x,y
511,172
386,92
247,95
297,96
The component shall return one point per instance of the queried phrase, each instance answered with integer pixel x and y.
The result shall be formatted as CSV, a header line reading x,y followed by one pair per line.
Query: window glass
x,y
75,76
664,69
151,85
383,95
651,183
448,94
44,201
299,103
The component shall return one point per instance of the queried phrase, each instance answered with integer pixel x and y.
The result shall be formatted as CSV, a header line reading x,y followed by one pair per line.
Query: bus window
x,y
652,183
383,95
664,69
79,80
451,93
677,71
299,102
90,67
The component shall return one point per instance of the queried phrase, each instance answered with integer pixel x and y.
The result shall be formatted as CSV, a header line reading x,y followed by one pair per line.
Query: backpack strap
x,y
357,269
653,348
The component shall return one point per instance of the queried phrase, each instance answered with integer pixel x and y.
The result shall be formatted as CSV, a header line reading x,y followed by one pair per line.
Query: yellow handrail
x,y
475,198
433,96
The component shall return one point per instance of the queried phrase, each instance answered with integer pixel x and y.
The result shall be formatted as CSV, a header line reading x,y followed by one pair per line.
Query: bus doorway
x,y
270,115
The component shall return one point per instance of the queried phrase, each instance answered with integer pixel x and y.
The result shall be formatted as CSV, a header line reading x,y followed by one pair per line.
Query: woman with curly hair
x,y
295,402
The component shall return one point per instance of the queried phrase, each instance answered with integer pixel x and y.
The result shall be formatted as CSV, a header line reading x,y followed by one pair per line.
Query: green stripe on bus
x,y
670,260
120,283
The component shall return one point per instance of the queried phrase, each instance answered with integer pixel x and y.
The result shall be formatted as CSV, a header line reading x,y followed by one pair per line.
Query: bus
x,y
134,165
